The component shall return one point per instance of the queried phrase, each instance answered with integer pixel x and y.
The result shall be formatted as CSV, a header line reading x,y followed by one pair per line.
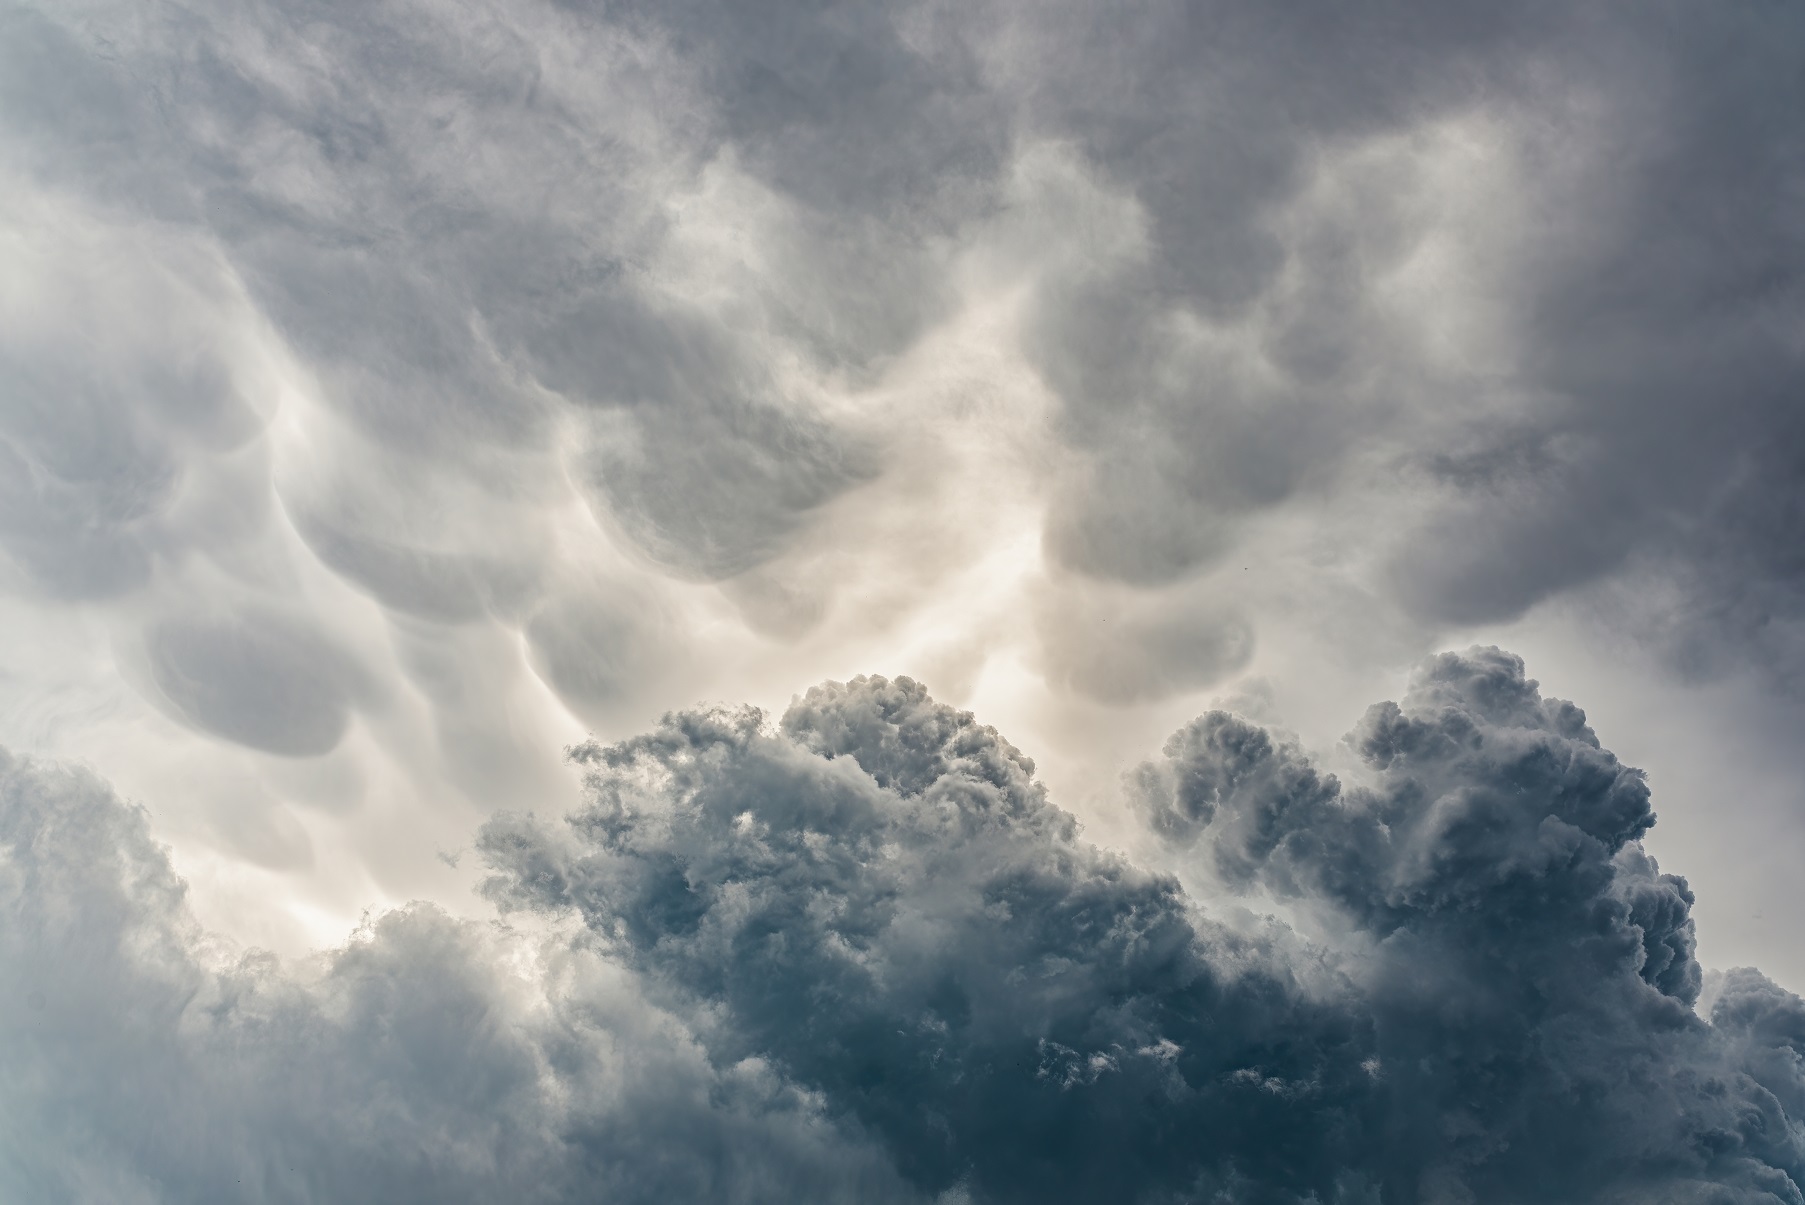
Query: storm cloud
x,y
393,393
428,1060
1504,298
857,953
1497,1003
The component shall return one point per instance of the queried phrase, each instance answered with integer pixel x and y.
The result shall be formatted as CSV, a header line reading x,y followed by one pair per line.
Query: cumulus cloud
x,y
429,1060
876,894
857,953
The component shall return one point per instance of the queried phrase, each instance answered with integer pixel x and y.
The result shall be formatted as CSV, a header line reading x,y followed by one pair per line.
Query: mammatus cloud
x,y
858,954
1503,302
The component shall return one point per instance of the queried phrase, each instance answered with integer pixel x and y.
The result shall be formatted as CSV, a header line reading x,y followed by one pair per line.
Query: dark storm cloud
x,y
856,107
881,898
661,228
859,955
416,1064
1213,116
1653,306
645,252
877,896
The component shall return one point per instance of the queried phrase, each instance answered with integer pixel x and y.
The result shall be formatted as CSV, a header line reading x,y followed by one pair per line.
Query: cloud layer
x,y
392,392
1503,306
859,954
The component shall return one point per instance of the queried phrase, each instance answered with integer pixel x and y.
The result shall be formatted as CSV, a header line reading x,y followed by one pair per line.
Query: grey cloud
x,y
667,231
775,608
877,896
1447,824
598,647
880,897
70,113
75,533
470,224
144,1063
262,679
1187,435
1517,929
857,954
1213,117
693,447
448,587
1126,646
715,491
98,443
841,104
452,547
456,226
1648,302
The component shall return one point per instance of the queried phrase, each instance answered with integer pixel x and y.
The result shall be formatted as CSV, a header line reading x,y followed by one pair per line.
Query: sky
x,y
796,601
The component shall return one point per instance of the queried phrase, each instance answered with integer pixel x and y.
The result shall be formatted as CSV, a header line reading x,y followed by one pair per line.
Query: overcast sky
x,y
397,395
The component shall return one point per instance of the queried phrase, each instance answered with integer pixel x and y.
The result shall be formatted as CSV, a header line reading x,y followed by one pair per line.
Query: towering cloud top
x,y
876,895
